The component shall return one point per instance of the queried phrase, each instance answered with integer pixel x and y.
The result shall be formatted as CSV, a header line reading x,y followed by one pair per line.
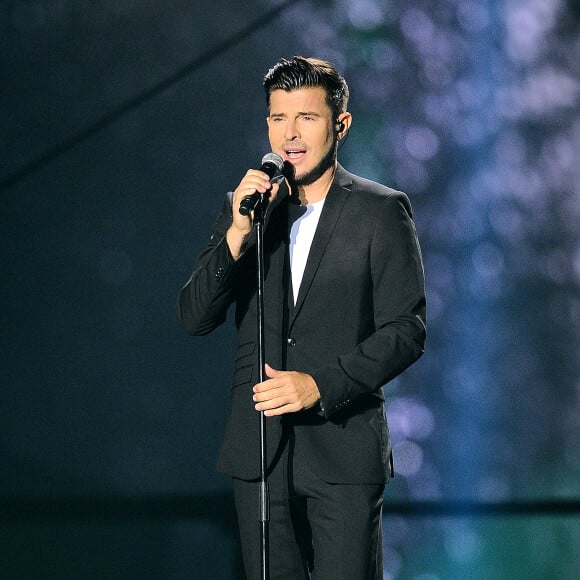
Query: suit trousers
x,y
333,531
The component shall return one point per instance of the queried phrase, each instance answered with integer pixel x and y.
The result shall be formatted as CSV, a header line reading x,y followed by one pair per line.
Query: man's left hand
x,y
285,392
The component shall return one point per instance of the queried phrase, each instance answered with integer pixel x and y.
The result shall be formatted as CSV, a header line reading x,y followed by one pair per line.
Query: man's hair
x,y
299,72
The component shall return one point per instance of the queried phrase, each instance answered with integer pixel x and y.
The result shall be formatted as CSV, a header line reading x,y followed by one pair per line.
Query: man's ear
x,y
343,123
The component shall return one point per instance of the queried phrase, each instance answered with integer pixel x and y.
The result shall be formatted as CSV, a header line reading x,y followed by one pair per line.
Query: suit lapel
x,y
331,212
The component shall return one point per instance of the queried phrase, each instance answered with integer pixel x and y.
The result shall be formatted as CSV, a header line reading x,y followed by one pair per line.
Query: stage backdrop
x,y
123,125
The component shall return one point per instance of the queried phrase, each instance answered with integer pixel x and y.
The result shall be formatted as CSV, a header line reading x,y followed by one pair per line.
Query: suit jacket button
x,y
291,342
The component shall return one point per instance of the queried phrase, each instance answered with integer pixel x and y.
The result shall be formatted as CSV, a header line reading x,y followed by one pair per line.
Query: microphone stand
x,y
259,216
259,207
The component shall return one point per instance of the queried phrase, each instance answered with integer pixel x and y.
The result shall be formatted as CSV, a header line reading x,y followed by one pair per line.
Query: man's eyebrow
x,y
300,114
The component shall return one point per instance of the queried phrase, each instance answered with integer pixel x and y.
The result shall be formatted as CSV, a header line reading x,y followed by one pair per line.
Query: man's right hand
x,y
254,180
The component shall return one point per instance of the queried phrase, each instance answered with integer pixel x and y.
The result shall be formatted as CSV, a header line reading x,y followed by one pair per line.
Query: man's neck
x,y
317,190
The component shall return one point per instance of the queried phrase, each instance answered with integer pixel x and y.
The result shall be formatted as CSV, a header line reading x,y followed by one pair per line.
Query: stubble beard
x,y
318,171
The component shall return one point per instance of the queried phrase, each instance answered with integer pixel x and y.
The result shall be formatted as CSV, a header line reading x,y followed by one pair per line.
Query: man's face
x,y
301,131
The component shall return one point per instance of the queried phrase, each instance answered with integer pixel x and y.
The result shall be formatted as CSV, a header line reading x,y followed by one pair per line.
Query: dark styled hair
x,y
299,72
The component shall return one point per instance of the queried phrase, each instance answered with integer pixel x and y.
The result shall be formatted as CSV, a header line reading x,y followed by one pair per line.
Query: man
x,y
344,314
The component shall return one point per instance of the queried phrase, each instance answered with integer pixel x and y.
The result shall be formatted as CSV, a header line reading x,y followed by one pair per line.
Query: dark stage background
x,y
123,124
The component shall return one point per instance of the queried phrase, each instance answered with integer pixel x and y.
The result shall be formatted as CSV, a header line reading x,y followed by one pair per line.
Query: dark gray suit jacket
x,y
359,321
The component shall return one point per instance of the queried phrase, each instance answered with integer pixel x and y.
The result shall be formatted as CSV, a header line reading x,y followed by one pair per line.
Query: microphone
x,y
271,164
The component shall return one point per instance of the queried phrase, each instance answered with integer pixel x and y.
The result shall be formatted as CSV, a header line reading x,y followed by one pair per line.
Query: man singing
x,y
344,314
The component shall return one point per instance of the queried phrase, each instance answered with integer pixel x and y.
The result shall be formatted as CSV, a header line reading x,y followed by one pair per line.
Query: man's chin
x,y
309,177
303,178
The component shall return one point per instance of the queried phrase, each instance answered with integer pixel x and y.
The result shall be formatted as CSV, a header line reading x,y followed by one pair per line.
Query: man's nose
x,y
291,131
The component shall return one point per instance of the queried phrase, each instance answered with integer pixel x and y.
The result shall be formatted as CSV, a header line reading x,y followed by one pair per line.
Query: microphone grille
x,y
273,158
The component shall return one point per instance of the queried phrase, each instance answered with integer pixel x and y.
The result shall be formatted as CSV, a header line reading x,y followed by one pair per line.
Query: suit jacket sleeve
x,y
398,303
203,302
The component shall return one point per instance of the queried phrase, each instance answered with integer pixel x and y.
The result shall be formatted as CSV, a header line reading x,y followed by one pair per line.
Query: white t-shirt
x,y
304,224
